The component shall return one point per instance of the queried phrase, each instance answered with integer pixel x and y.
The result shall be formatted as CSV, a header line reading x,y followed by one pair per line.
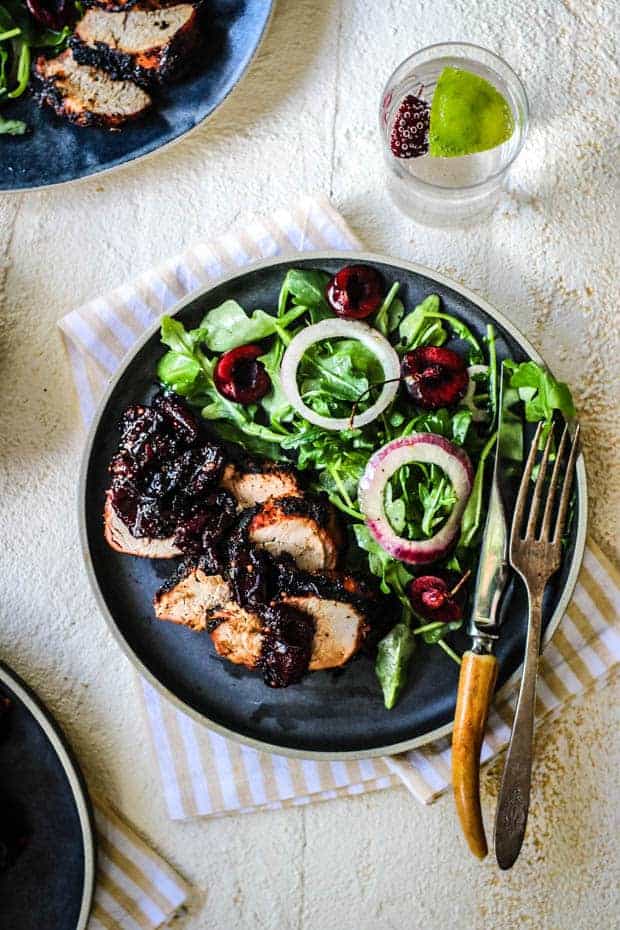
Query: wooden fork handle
x,y
476,686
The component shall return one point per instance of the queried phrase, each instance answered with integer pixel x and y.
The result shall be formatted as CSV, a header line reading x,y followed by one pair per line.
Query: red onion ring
x,y
427,448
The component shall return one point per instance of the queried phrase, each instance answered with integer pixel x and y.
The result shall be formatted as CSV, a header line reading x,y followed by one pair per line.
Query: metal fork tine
x,y
546,523
566,488
524,487
538,488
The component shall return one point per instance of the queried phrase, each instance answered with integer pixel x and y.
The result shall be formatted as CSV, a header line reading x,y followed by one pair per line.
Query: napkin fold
x,y
135,889
204,774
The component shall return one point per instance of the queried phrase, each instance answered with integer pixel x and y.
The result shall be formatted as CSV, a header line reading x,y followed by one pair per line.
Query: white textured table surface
x,y
305,119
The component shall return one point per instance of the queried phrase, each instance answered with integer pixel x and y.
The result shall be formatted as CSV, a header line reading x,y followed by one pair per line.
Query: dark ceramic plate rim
x,y
370,257
133,159
75,778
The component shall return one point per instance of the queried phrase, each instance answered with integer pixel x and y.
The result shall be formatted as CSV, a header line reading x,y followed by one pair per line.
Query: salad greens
x,y
20,35
332,376
334,373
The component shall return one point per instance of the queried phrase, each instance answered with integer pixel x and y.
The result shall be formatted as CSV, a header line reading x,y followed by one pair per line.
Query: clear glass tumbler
x,y
450,191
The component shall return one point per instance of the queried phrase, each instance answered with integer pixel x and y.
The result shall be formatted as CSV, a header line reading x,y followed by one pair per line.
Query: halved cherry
x,y
435,377
355,292
438,598
239,376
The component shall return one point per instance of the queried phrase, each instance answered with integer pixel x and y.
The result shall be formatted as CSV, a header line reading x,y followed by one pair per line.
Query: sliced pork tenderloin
x,y
340,629
255,483
191,599
123,6
249,635
239,633
118,536
87,96
145,45
304,528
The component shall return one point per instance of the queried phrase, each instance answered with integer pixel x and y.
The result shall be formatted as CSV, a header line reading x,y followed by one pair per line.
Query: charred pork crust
x,y
139,45
305,527
254,482
315,508
281,576
87,96
337,586
123,6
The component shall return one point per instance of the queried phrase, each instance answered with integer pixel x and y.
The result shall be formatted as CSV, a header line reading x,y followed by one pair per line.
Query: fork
x,y
535,557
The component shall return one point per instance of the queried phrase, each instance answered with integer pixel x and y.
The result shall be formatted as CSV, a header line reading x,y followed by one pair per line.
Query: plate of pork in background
x,y
336,713
123,79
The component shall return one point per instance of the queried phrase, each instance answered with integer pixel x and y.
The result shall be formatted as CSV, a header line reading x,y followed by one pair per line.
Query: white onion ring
x,y
340,329
477,415
427,448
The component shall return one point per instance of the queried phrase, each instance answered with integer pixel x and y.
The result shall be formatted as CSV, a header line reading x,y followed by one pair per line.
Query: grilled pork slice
x,y
191,600
340,629
143,44
255,484
339,632
300,527
117,536
238,635
86,96
120,6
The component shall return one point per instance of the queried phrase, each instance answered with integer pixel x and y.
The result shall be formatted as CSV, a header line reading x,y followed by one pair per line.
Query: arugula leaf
x,y
540,391
333,374
418,330
174,335
179,372
306,288
275,403
12,127
392,663
390,313
461,421
393,574
472,515
423,326
228,326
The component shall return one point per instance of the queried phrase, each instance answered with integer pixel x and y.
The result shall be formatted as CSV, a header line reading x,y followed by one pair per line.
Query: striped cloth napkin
x,y
202,773
135,888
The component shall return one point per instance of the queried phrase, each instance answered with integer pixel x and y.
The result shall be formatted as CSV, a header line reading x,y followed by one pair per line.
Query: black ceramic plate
x,y
329,712
51,883
54,151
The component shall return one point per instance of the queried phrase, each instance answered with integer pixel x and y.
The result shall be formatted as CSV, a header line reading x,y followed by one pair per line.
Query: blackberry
x,y
409,136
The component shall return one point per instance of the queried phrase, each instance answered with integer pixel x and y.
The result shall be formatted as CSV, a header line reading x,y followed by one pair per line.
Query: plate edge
x,y
72,770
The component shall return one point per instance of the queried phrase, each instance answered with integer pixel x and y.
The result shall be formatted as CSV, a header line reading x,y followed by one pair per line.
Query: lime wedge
x,y
467,115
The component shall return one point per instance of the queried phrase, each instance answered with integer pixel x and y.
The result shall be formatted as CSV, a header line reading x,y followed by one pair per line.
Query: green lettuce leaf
x,y
228,326
392,664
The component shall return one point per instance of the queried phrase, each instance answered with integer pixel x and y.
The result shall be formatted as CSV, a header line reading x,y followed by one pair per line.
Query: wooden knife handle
x,y
476,686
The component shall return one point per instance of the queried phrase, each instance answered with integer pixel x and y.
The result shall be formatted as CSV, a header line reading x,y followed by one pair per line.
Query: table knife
x,y
479,665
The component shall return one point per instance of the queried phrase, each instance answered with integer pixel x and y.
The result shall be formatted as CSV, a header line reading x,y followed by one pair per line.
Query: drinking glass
x,y
450,191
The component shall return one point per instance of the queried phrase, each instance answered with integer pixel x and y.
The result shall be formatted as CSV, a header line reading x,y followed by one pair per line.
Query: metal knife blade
x,y
493,565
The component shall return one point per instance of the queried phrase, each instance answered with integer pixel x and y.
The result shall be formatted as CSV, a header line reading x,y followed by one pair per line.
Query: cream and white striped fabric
x,y
136,889
202,773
